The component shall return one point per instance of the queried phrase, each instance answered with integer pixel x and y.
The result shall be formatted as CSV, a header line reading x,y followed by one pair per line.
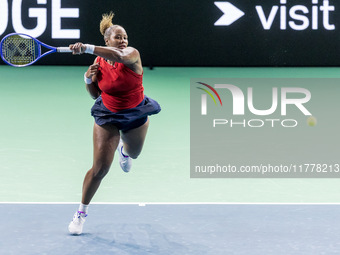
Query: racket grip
x,y
63,50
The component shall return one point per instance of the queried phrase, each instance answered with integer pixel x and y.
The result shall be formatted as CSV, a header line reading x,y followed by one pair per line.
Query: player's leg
x,y
131,144
133,140
105,142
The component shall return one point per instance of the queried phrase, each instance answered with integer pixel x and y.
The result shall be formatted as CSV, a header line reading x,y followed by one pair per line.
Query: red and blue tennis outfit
x,y
122,101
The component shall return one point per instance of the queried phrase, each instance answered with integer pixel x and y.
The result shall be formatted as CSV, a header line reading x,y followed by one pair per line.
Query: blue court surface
x,y
46,162
178,229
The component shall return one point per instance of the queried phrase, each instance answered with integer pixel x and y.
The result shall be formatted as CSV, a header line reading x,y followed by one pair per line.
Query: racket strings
x,y
19,51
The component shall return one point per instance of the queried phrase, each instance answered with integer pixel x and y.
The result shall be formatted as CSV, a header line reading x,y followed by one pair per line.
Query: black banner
x,y
190,32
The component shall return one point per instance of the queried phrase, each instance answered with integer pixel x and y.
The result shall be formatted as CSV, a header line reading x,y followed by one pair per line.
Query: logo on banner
x,y
297,17
242,102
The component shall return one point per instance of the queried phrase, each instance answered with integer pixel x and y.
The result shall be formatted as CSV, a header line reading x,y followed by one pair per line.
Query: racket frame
x,y
51,49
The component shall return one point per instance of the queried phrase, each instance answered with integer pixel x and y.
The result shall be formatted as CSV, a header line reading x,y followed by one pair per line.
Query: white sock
x,y
83,208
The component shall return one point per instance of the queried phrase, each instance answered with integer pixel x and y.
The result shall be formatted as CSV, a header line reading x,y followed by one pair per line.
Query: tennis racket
x,y
21,50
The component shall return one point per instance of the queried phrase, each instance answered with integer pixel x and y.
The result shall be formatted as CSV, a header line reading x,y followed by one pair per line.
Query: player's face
x,y
118,38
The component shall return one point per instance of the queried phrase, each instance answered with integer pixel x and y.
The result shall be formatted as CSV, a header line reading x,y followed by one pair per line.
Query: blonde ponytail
x,y
106,23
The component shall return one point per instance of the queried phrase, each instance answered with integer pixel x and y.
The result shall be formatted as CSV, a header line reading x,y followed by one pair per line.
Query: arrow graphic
x,y
230,14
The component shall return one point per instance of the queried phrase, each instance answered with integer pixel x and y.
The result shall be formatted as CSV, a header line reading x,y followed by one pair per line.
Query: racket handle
x,y
63,50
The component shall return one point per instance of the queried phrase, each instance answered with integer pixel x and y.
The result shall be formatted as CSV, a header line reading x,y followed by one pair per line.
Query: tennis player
x,y
120,111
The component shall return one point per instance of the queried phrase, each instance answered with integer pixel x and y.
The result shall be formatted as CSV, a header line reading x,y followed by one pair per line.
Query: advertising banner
x,y
188,33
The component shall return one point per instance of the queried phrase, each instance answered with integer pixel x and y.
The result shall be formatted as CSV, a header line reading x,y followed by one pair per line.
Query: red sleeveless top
x,y
121,87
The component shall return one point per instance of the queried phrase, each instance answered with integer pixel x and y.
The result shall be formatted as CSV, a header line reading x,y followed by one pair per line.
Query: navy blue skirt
x,y
126,119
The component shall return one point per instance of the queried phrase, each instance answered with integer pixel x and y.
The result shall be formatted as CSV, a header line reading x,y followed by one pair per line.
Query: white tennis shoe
x,y
76,225
125,162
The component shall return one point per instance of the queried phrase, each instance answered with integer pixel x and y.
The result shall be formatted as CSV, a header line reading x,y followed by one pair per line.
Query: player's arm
x,y
92,84
127,56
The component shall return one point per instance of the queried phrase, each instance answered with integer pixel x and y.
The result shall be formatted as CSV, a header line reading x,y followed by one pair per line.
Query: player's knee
x,y
134,155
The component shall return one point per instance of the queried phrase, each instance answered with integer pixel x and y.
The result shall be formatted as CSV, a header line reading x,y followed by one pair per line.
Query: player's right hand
x,y
77,48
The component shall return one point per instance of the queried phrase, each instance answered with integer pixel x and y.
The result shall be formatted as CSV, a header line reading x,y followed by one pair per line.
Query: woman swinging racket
x,y
121,109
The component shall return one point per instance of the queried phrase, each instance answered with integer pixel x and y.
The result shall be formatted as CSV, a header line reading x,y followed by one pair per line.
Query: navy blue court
x,y
172,229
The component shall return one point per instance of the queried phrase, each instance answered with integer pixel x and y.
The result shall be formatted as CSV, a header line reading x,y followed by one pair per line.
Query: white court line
x,y
164,203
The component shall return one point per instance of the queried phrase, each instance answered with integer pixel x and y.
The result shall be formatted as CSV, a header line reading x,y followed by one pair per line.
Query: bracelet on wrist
x,y
87,80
